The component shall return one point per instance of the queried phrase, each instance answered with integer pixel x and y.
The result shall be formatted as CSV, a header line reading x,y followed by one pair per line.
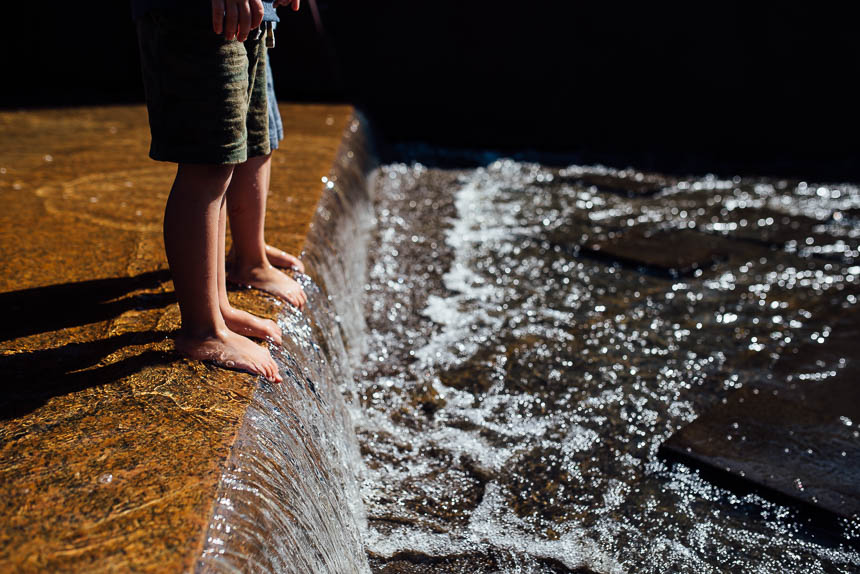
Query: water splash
x,y
288,500
515,393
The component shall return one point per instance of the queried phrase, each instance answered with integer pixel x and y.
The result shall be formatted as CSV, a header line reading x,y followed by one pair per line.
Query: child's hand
x,y
295,4
235,18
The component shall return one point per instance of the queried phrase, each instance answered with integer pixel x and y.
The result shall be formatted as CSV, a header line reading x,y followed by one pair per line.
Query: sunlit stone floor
x,y
110,444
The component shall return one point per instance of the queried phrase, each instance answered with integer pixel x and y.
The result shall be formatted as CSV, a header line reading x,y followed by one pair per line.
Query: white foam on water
x,y
620,367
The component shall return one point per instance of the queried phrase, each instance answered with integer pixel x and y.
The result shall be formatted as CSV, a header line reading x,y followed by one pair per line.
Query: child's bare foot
x,y
272,281
250,325
231,350
276,257
280,258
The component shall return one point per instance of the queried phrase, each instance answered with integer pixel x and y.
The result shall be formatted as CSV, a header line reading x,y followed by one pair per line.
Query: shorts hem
x,y
174,156
257,151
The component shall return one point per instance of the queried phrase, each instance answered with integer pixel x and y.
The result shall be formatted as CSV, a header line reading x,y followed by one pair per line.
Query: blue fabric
x,y
270,13
141,7
276,126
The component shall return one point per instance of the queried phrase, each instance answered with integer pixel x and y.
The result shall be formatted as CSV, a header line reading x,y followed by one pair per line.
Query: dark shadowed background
x,y
706,86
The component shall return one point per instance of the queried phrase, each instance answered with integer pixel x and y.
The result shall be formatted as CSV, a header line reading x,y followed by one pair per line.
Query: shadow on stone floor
x,y
32,378
54,307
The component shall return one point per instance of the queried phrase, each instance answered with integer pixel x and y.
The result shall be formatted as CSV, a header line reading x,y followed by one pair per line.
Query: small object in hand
x,y
270,35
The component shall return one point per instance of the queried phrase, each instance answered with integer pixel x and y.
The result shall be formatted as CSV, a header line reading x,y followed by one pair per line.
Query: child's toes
x,y
274,332
296,300
276,376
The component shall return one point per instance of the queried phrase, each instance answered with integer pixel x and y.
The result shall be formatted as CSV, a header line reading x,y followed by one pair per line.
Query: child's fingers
x,y
244,21
218,16
231,21
256,13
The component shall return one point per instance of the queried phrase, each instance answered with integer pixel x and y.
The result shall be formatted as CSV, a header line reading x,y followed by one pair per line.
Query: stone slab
x,y
795,436
111,445
628,187
646,186
769,227
671,253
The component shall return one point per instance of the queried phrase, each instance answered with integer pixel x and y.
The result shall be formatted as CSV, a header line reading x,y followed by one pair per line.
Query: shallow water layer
x,y
535,335
288,500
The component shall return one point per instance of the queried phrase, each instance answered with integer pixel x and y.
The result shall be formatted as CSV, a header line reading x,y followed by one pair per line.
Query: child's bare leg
x,y
239,321
276,257
246,207
191,242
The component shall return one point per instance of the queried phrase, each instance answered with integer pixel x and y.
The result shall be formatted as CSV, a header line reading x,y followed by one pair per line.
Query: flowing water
x,y
516,389
288,501
509,384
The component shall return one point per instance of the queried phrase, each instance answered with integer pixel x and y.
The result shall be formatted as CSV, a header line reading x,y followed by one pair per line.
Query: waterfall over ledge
x,y
288,499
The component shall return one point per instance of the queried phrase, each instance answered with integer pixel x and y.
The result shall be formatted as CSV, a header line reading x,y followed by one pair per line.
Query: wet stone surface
x,y
767,226
629,184
112,445
557,375
415,563
799,437
669,253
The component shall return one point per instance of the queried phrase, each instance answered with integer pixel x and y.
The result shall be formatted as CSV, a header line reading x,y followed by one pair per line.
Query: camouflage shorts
x,y
206,96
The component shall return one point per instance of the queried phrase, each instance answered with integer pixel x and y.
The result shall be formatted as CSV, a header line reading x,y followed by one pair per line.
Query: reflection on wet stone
x,y
542,490
796,437
668,253
763,225
417,563
476,375
628,183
